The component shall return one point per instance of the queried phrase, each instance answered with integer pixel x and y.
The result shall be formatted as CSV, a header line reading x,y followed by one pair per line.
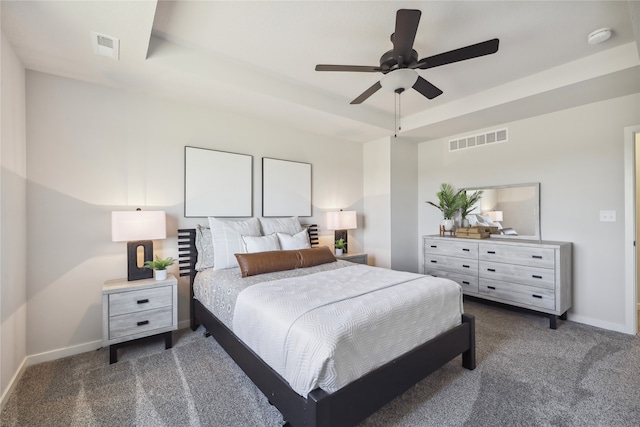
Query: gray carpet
x,y
527,375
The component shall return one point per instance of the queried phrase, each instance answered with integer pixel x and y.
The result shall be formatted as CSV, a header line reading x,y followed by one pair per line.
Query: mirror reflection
x,y
514,209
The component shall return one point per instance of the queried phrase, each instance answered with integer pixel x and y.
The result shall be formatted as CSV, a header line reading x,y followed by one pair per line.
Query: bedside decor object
x,y
340,222
449,202
131,311
159,266
138,228
340,246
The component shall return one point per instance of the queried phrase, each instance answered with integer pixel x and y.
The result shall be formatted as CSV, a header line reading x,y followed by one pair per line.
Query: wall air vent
x,y
479,140
104,45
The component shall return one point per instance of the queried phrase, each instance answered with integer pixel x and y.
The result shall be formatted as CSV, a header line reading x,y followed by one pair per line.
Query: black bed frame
x,y
355,401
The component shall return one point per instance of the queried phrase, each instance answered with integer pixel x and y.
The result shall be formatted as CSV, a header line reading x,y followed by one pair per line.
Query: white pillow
x,y
280,225
297,241
227,239
261,243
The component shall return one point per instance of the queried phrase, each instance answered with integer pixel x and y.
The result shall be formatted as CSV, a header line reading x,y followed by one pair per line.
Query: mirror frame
x,y
536,214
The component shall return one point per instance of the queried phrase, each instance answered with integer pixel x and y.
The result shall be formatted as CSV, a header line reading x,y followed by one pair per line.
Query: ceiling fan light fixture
x,y
403,78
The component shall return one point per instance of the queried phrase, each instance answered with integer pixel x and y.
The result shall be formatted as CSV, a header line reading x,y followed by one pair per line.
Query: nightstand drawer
x,y
135,323
144,299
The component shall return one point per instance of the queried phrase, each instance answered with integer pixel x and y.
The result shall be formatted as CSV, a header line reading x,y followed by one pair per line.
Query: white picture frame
x,y
286,188
217,183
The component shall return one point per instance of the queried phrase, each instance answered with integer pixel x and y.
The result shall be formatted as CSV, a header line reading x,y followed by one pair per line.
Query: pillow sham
x,y
227,239
261,243
204,245
289,225
299,240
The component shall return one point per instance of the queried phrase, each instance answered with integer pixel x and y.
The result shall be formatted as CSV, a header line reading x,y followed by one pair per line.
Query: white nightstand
x,y
138,309
358,258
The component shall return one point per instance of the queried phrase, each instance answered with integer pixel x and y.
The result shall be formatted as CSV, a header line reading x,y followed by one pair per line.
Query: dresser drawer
x,y
526,296
449,263
533,276
524,255
469,283
457,249
144,321
144,299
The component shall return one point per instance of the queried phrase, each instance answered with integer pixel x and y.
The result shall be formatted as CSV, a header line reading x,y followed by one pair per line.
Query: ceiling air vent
x,y
479,140
104,45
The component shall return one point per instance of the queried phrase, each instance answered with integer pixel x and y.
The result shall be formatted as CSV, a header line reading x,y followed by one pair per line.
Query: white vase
x,y
160,274
465,223
338,251
448,224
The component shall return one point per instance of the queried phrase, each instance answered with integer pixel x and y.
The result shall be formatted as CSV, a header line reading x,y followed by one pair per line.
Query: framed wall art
x,y
286,188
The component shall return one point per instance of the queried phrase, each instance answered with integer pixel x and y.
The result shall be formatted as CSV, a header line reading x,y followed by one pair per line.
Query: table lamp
x,y
138,228
341,221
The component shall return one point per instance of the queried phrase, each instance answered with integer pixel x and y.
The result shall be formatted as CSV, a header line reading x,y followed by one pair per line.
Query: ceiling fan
x,y
399,64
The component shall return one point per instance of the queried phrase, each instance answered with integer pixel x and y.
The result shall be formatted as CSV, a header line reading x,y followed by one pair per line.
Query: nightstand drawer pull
x,y
142,323
535,276
434,246
465,266
143,301
492,287
434,261
465,250
464,282
537,296
491,252
536,256
493,270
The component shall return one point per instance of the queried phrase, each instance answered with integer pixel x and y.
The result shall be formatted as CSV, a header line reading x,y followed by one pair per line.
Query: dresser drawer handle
x,y
142,323
491,252
536,256
493,270
434,246
465,250
492,287
434,261
537,296
465,266
535,276
143,301
464,282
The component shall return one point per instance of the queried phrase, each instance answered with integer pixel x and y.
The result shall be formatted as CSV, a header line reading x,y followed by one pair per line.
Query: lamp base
x,y
135,272
341,234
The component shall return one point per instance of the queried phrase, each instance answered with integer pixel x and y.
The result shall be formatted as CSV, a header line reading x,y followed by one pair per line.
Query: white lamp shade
x,y
495,215
341,220
402,78
127,226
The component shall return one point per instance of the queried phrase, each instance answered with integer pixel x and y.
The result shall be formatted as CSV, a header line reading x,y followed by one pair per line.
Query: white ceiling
x,y
257,58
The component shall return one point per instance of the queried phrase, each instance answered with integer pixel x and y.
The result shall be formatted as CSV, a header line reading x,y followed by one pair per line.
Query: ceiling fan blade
x,y
407,21
426,88
464,53
367,93
356,68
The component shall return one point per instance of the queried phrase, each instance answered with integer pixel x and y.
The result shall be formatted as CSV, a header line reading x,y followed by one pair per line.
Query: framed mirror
x,y
515,207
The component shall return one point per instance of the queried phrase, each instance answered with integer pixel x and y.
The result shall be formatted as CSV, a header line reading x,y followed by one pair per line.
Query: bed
x,y
342,402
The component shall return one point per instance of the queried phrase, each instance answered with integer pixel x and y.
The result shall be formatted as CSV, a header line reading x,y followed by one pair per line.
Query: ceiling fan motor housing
x,y
390,61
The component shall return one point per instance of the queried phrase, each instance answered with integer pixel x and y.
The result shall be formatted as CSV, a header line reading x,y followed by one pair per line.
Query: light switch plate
x,y
608,216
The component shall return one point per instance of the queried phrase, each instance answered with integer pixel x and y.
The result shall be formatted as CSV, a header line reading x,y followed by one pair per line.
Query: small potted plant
x,y
467,202
449,201
340,246
159,266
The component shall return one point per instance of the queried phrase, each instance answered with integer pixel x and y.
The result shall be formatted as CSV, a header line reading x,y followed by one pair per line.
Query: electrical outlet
x,y
608,216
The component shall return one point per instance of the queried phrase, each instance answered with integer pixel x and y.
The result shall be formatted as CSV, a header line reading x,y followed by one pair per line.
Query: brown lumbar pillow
x,y
315,256
270,261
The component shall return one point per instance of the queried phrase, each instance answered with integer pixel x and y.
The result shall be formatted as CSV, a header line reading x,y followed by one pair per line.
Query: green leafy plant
x,y
340,244
159,264
467,201
449,200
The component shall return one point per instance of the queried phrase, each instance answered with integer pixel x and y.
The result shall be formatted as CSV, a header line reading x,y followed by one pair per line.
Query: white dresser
x,y
526,273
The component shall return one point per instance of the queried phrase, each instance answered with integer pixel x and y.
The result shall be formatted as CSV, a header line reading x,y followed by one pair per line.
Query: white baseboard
x,y
13,383
48,356
617,327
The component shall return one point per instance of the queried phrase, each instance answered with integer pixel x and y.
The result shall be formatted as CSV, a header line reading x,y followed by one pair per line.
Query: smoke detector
x,y
105,45
599,36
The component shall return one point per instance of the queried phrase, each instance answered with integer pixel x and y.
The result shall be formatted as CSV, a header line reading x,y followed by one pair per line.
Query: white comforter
x,y
328,329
